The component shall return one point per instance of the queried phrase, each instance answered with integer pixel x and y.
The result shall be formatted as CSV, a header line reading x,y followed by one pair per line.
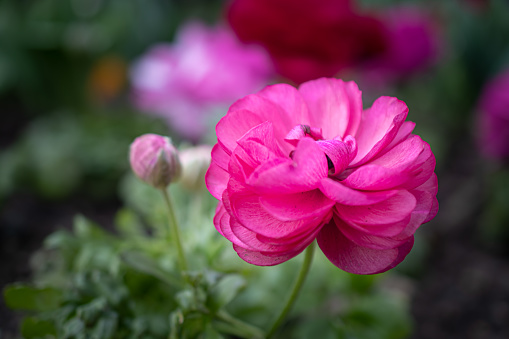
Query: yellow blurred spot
x,y
107,78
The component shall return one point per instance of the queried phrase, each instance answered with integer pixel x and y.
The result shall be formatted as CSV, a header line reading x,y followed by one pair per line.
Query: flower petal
x,y
233,126
404,132
290,101
216,180
220,157
304,205
340,153
333,105
400,165
364,236
344,195
392,210
266,259
248,211
303,173
253,241
379,126
357,259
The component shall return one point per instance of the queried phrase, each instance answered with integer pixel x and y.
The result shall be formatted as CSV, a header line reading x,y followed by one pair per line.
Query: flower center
x,y
338,151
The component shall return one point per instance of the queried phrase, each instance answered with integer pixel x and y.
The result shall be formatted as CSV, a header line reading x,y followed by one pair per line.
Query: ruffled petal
x,y
216,180
340,153
220,212
220,157
344,195
266,259
246,208
373,236
303,173
353,258
400,165
395,209
404,132
262,134
252,241
304,205
334,105
426,197
290,101
233,126
379,126
222,221
270,107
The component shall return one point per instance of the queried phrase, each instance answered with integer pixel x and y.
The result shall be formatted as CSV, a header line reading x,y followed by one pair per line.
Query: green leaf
x,y
362,284
187,300
210,333
84,228
73,328
106,326
36,328
128,224
225,291
23,297
144,264
91,311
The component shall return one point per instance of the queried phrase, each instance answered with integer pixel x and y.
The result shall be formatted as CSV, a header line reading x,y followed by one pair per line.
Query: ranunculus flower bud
x,y
195,162
155,160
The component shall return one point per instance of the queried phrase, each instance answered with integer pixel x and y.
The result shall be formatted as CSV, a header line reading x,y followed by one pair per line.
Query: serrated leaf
x,y
36,328
225,291
24,297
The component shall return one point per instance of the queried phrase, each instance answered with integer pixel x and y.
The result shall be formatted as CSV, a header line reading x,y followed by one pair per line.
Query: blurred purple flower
x,y
413,44
494,117
205,69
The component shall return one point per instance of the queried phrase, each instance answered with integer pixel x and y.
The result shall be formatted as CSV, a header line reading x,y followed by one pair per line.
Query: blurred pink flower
x,y
308,39
493,118
206,69
293,165
413,43
155,160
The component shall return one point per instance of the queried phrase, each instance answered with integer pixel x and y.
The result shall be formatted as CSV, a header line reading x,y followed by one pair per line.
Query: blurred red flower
x,y
308,39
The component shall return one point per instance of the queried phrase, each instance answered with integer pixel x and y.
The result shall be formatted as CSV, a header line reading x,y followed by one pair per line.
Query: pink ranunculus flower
x,y
205,70
294,165
493,117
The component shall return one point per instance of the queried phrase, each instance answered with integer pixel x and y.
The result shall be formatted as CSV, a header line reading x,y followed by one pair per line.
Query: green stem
x,y
238,327
173,231
296,289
